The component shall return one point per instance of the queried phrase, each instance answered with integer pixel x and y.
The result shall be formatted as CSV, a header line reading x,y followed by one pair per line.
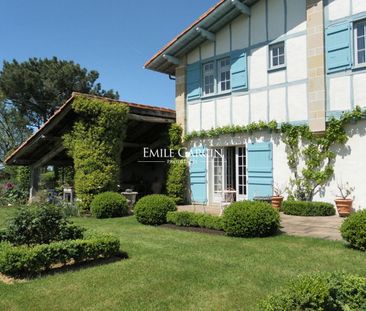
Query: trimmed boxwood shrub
x,y
109,205
305,208
24,261
187,219
40,224
353,230
152,209
333,292
251,219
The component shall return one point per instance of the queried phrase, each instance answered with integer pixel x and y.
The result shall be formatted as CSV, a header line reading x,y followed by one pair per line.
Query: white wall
x,y
349,165
338,9
279,95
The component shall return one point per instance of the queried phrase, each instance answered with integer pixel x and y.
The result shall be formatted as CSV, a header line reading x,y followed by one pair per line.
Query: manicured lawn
x,y
176,270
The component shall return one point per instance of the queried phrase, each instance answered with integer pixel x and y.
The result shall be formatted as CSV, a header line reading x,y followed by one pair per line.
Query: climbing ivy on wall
x,y
95,144
178,169
310,156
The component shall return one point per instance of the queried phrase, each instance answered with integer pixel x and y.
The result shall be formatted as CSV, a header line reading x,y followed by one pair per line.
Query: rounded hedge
x,y
304,208
251,219
353,230
109,205
152,209
336,292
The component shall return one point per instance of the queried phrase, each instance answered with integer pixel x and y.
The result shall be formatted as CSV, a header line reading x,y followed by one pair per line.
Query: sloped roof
x,y
213,20
64,115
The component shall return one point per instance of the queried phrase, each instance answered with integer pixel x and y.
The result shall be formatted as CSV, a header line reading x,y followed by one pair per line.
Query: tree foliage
x,y
38,86
13,128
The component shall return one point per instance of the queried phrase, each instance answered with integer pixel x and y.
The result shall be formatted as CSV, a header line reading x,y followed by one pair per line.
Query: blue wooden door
x,y
198,174
260,170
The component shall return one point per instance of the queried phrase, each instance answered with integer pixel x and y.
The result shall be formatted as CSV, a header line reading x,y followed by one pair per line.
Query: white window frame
x,y
206,74
355,43
224,69
272,47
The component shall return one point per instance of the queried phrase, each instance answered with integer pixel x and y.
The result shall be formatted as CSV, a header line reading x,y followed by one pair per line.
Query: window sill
x,y
277,69
216,95
359,67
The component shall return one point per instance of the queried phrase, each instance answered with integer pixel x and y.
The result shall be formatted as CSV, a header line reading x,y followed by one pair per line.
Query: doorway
x,y
228,173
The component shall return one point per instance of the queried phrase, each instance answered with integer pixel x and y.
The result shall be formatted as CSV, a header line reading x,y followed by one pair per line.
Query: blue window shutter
x,y
194,81
239,72
338,47
198,174
260,170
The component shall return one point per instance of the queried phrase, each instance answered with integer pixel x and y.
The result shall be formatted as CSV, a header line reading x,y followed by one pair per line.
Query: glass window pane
x,y
282,50
361,57
275,61
360,43
282,60
360,30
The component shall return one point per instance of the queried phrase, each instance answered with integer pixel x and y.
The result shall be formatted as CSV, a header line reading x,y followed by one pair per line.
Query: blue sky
x,y
114,37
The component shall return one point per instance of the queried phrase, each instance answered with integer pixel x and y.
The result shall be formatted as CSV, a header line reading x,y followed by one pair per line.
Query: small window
x,y
277,55
224,74
360,43
208,78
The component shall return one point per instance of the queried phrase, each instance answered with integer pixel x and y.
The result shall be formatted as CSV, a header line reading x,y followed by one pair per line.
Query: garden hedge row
x,y
187,219
25,261
304,208
335,292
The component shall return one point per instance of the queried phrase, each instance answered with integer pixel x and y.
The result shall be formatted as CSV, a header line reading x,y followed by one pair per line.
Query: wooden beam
x,y
206,34
242,7
150,119
49,156
172,59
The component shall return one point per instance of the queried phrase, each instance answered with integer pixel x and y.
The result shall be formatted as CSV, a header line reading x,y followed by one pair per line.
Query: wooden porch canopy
x,y
145,125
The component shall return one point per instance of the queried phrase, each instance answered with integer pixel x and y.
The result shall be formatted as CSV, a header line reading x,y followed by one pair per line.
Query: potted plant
x,y
277,199
343,201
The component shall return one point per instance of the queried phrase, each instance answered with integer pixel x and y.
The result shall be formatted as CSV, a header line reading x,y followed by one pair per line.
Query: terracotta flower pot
x,y
344,207
277,202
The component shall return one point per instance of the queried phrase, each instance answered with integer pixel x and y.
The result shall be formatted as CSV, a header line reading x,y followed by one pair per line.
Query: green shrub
x,y
39,224
305,208
20,261
152,209
330,292
353,230
176,184
187,219
109,205
251,219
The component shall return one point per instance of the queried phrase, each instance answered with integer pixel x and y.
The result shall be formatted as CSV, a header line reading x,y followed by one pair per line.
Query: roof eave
x,y
214,19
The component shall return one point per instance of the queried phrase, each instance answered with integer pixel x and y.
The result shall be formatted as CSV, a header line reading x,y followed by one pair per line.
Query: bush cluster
x,y
23,261
305,208
152,209
187,219
353,230
333,292
251,219
40,224
109,205
176,184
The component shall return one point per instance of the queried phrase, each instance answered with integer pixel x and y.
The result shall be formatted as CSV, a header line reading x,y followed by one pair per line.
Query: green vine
x,y
95,143
303,146
178,169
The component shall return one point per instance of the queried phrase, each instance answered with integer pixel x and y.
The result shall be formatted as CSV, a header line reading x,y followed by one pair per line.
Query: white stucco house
x,y
293,61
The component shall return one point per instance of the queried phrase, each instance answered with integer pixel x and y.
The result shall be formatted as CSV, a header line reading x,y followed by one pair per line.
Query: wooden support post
x,y
34,183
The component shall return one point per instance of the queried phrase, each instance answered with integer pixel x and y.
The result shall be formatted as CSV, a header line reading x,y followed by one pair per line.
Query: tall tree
x,y
38,86
13,128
